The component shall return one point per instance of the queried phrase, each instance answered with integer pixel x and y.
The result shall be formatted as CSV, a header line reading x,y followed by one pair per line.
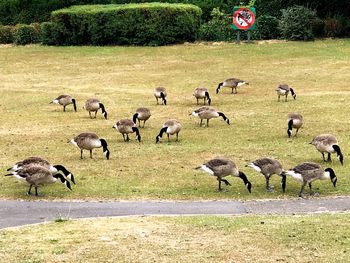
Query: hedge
x,y
206,5
26,34
27,11
296,23
129,24
6,34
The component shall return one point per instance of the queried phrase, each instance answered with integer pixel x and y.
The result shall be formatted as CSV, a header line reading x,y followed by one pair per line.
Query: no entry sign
x,y
243,18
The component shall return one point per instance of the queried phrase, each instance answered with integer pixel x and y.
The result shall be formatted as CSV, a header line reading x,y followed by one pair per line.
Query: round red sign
x,y
243,18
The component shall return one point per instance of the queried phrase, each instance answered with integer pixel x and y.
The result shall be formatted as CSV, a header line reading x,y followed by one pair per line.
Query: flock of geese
x,y
37,171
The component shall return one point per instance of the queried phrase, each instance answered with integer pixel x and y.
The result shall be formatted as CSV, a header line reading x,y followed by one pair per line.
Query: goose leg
x,y
268,187
91,154
127,137
95,114
226,182
232,91
207,122
177,137
36,191
220,189
64,107
168,137
329,157
157,100
286,98
144,124
197,101
310,189
201,123
30,188
81,153
302,189
90,114
296,132
279,97
235,90
323,157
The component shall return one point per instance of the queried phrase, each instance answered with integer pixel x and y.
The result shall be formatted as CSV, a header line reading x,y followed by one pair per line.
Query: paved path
x,y
16,213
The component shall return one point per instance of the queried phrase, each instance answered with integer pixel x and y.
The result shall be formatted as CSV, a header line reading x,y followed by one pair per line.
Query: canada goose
x,y
126,126
283,90
170,127
93,105
40,161
208,113
295,120
308,172
141,114
160,93
65,100
327,143
37,175
89,141
232,83
268,167
202,93
221,167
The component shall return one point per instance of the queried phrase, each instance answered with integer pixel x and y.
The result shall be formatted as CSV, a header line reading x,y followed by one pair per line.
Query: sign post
x,y
243,19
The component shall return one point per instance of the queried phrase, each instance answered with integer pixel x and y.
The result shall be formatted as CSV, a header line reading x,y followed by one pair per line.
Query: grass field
x,y
310,238
124,78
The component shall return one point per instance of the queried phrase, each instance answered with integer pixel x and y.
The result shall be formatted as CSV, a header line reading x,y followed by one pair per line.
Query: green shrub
x,y
335,26
266,27
295,23
27,11
52,34
317,26
218,28
206,5
131,24
26,34
6,34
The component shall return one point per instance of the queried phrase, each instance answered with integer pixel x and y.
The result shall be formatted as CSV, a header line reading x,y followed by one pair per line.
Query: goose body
x,y
37,175
295,120
283,90
125,127
268,167
206,112
232,83
221,167
327,143
44,163
170,127
160,93
90,141
65,100
141,114
308,172
202,93
93,105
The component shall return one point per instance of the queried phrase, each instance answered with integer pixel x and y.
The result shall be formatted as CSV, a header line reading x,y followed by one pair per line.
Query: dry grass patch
x,y
321,238
123,78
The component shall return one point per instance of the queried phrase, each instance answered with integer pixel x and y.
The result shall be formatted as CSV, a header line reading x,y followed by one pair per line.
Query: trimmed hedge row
x,y
20,34
206,5
129,24
14,12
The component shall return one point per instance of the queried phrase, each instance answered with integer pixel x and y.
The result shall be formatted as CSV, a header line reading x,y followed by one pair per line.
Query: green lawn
x,y
124,78
308,238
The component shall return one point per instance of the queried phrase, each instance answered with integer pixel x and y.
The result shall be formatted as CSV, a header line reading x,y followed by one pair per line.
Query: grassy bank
x,y
123,78
313,238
